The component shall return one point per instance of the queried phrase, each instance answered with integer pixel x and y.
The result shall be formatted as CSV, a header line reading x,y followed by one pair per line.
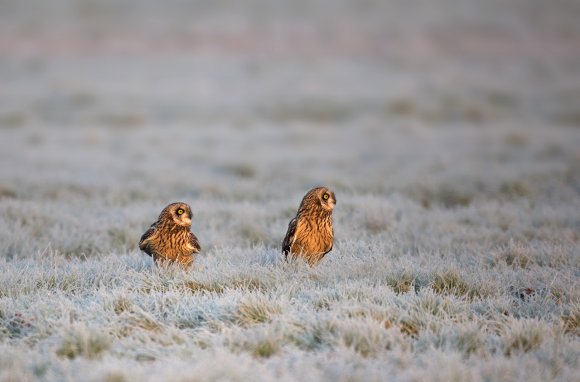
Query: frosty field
x,y
449,131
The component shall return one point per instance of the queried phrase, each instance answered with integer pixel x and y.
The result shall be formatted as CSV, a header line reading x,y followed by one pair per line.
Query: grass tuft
x,y
402,282
122,304
470,341
196,287
524,336
515,255
266,348
572,322
81,341
452,282
255,309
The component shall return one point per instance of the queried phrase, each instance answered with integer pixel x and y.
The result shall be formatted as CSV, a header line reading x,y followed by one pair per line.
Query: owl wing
x,y
144,242
194,242
324,254
331,243
289,239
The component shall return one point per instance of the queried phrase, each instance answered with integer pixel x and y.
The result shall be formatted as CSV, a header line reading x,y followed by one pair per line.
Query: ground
x,y
449,131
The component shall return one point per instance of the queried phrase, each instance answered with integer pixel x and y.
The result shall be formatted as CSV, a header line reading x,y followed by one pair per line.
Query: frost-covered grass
x,y
366,313
448,129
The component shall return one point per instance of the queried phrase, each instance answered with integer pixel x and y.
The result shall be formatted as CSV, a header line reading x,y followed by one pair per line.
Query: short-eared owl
x,y
169,239
310,234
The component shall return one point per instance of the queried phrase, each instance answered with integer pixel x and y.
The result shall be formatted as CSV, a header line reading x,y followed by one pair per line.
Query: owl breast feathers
x,y
310,234
169,239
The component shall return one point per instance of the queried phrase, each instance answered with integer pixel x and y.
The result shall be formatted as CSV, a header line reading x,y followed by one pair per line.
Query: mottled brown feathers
x,y
169,239
310,234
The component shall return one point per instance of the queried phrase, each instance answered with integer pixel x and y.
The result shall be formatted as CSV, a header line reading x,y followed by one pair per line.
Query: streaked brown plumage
x,y
310,234
169,239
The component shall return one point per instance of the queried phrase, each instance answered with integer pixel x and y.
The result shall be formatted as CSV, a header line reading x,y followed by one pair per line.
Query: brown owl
x,y
310,234
169,239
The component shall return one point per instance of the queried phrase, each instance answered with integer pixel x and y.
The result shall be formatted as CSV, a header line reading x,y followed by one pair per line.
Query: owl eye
x,y
180,211
325,196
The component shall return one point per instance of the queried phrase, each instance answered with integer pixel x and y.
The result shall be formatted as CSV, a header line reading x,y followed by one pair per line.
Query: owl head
x,y
320,197
178,213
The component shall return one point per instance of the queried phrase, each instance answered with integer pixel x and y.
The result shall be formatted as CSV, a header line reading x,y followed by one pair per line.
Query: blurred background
x,y
109,110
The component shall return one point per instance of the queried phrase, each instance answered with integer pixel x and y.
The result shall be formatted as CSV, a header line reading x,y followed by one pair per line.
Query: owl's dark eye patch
x,y
180,211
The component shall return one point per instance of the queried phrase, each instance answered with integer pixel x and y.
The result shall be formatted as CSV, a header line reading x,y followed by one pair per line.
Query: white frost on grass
x,y
237,316
453,152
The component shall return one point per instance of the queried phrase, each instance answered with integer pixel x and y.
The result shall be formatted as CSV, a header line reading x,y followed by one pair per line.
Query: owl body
x,y
169,239
310,234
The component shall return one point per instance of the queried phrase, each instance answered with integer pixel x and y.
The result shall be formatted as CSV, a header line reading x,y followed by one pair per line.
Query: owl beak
x,y
331,203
